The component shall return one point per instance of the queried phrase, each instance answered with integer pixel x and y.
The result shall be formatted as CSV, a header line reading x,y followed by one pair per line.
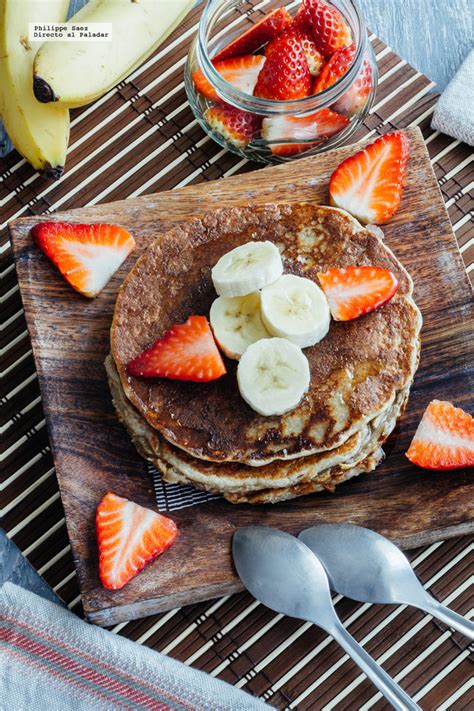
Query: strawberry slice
x,y
236,126
312,129
129,537
355,291
356,96
285,75
335,68
326,24
270,26
444,438
186,352
369,184
301,21
314,58
241,72
86,255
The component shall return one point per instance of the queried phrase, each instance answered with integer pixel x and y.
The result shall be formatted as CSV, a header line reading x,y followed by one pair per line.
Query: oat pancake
x,y
357,371
274,482
333,478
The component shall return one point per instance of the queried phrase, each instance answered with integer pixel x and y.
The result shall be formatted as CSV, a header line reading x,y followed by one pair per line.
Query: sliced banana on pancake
x,y
237,323
296,309
247,268
273,375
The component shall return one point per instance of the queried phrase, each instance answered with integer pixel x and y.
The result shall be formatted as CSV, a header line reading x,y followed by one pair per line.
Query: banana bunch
x,y
264,319
39,132
39,82
75,78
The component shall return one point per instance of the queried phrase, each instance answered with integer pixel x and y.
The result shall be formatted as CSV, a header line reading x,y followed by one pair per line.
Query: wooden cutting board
x,y
93,454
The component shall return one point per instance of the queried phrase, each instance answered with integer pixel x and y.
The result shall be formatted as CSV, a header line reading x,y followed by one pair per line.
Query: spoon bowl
x,y
283,573
362,564
365,566
299,585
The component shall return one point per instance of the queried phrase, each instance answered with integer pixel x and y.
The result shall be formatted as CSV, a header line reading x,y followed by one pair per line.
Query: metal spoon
x,y
365,566
280,571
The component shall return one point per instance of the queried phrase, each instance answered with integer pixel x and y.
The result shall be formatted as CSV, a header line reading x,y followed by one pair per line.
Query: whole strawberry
x,y
285,75
326,24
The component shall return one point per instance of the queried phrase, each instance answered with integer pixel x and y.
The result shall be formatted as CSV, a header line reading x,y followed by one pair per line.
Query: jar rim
x,y
300,107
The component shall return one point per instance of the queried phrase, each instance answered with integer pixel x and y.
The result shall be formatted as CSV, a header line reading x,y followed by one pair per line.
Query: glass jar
x,y
223,21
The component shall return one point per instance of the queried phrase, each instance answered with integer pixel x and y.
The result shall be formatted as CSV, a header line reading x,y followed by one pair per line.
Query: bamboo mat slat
x,y
142,138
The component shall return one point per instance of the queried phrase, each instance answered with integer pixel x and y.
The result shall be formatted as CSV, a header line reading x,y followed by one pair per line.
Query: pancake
x,y
357,372
334,478
280,480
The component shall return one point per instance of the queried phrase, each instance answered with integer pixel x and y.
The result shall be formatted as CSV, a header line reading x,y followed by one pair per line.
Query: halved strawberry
x,y
129,536
285,75
444,438
186,352
241,72
236,126
273,24
314,58
328,28
312,129
86,255
355,291
369,184
335,68
356,96
300,20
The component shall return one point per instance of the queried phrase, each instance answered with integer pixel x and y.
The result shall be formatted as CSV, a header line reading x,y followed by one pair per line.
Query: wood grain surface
x,y
434,36
93,453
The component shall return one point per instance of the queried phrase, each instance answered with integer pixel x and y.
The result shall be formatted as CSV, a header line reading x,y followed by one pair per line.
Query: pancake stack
x,y
205,434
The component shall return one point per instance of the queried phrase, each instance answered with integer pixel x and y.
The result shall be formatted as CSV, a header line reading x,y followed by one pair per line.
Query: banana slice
x,y
273,375
237,323
296,309
247,268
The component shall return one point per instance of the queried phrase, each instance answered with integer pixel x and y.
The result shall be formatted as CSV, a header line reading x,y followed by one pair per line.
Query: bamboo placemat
x,y
142,138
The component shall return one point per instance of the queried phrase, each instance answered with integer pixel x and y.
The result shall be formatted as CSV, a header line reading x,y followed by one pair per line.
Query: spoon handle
x,y
384,683
449,617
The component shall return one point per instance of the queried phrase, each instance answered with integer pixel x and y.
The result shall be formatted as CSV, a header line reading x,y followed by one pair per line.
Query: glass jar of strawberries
x,y
276,81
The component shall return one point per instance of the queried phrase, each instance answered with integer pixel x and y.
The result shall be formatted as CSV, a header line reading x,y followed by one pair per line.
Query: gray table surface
x,y
432,35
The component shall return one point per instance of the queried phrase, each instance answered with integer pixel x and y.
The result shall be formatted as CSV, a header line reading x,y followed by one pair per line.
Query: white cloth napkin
x,y
454,113
53,661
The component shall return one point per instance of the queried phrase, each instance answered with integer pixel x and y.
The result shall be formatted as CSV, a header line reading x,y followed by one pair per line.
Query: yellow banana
x,y
40,132
76,73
